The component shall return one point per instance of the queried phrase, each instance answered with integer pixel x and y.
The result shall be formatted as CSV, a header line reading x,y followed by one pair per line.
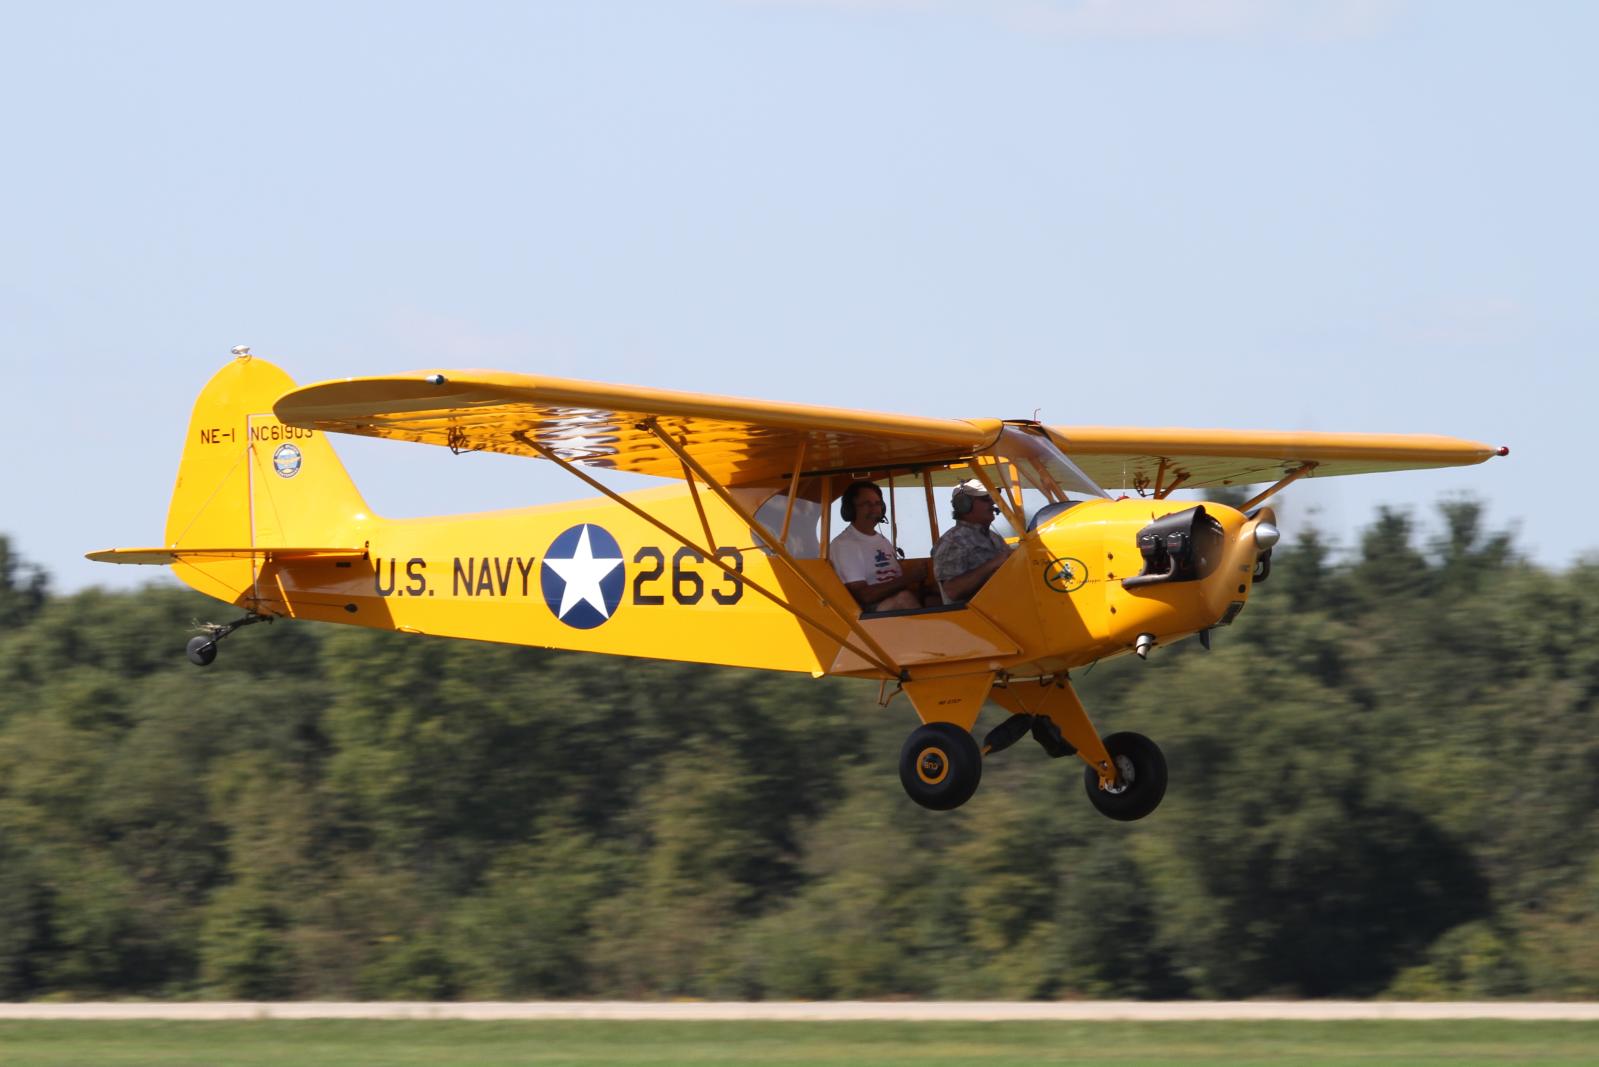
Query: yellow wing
x,y
165,556
740,442
746,442
1152,458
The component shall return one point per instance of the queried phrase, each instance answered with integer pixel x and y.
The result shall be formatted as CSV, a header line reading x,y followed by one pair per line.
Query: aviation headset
x,y
846,504
961,503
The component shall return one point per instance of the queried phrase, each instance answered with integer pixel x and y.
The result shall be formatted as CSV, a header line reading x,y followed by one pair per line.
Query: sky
x,y
1362,215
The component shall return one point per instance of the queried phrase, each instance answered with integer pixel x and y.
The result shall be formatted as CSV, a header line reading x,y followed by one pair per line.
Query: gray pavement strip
x,y
812,1011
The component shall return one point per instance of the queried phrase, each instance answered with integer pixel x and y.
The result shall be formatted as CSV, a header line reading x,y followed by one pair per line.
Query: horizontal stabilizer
x,y
164,556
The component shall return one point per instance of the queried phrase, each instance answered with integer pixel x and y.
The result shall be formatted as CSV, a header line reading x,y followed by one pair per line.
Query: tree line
x,y
1385,782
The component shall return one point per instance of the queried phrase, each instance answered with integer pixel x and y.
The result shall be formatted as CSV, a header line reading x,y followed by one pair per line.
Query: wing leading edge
x,y
746,442
739,441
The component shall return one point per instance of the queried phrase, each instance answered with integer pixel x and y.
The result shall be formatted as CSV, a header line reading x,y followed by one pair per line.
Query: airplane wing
x,y
165,556
744,442
740,442
1144,458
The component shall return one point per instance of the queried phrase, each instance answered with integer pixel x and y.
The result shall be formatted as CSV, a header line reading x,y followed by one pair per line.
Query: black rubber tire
x,y
201,650
940,766
1148,785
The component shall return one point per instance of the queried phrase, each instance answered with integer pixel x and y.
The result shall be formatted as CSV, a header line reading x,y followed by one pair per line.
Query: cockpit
x,y
1030,480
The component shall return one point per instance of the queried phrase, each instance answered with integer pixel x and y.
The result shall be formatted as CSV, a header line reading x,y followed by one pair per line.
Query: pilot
x,y
863,557
970,551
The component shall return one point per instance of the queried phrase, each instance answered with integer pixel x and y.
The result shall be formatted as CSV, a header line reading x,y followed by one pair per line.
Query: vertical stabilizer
x,y
248,481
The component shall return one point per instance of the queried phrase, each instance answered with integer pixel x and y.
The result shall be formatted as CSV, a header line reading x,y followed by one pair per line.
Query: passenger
x,y
970,551
864,559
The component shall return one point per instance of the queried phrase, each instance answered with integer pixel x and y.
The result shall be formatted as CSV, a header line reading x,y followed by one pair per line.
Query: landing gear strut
x,y
1125,773
942,763
202,648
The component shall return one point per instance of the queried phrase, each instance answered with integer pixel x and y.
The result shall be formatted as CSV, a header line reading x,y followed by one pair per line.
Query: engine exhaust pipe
x,y
1144,643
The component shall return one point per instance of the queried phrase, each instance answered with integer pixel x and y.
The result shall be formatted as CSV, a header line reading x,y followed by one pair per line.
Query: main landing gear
x,y
1140,778
940,766
202,648
1125,777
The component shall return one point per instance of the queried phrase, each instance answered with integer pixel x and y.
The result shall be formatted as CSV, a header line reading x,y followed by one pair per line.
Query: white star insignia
x,y
582,575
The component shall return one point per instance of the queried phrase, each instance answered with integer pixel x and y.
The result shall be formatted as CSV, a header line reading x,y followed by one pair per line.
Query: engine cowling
x,y
1184,546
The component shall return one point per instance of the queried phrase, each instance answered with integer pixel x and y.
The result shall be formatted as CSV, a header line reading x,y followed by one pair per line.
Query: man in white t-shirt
x,y
864,559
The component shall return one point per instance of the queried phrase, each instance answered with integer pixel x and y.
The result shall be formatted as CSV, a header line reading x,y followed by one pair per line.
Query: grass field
x,y
489,1044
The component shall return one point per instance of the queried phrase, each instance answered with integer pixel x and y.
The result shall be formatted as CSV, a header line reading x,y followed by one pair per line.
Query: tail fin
x,y
248,481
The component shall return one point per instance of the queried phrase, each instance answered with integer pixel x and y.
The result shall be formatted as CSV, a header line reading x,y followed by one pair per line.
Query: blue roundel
x,y
583,576
286,461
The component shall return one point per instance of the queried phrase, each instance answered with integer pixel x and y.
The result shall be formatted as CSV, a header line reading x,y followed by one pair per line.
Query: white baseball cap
x,y
970,487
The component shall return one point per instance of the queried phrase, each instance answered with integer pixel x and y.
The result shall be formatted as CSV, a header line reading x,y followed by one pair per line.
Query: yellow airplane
x,y
730,563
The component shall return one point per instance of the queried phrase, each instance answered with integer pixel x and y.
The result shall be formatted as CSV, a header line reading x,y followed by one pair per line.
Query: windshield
x,y
1028,473
1043,466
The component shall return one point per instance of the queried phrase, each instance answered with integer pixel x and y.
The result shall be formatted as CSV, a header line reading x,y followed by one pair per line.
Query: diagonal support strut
x,y
777,547
1278,486
885,663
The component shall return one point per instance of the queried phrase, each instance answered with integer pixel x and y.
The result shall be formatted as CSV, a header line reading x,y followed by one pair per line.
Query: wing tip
x,y
141,556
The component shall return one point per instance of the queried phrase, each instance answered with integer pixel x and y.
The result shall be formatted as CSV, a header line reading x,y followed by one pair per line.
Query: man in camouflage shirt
x,y
970,552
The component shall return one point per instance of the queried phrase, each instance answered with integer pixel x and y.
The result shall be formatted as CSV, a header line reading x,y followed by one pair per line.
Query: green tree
x,y
23,587
1385,779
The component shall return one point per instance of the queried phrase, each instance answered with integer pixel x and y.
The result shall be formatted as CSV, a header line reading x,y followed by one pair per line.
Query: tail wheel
x,y
1140,778
940,766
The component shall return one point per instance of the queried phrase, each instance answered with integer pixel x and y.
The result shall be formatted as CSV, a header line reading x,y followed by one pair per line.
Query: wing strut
x,y
793,489
885,662
1162,491
932,512
694,491
1278,486
778,548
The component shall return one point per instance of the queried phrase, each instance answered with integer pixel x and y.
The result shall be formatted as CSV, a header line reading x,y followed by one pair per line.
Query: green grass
x,y
473,1044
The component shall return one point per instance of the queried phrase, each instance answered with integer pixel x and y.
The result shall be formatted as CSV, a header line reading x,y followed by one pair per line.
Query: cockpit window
x,y
803,541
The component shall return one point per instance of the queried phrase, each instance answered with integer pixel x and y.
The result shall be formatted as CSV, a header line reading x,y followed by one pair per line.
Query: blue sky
x,y
1358,215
